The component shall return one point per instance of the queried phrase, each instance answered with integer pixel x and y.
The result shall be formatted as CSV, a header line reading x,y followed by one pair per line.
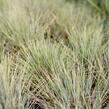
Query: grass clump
x,y
54,55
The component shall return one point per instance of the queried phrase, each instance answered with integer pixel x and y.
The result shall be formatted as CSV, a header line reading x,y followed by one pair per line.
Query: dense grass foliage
x,y
53,55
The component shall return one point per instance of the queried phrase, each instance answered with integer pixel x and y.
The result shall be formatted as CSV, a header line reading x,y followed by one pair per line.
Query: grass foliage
x,y
53,55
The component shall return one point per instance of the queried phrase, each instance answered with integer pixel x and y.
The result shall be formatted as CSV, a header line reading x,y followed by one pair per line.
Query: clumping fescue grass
x,y
53,55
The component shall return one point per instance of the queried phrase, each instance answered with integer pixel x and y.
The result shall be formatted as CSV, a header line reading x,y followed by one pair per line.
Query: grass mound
x,y
53,55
